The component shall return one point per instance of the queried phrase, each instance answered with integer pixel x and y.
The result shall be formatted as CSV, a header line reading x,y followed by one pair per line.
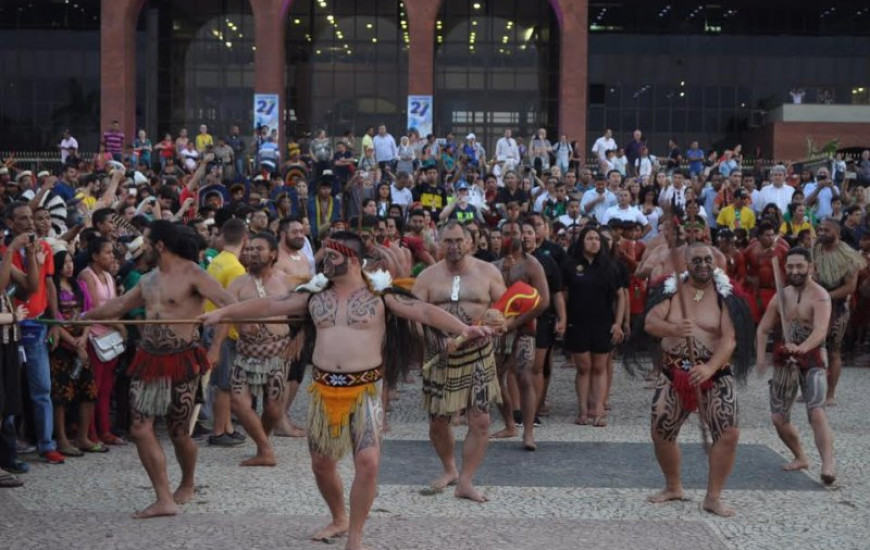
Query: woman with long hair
x,y
383,200
595,307
649,207
101,288
797,222
72,375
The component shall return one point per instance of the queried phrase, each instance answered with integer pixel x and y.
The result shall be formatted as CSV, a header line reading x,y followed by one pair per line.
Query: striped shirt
x,y
114,142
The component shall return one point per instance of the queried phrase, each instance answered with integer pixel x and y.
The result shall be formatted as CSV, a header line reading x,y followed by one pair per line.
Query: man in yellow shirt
x,y
225,268
737,215
203,139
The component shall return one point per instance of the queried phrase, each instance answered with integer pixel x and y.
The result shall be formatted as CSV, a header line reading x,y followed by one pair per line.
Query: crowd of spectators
x,y
73,237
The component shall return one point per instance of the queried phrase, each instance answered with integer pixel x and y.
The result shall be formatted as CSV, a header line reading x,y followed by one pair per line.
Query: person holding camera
x,y
820,193
12,277
19,219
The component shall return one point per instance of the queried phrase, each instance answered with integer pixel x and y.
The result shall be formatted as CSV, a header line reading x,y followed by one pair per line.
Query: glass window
x,y
363,53
507,49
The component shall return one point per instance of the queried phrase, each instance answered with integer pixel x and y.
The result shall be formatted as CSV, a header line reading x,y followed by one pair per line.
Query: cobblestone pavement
x,y
85,503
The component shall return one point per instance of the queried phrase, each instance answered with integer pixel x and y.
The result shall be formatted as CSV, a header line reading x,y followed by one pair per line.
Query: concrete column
x,y
118,64
269,59
573,68
422,15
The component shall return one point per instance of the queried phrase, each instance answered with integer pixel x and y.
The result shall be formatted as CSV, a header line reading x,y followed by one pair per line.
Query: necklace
x,y
699,295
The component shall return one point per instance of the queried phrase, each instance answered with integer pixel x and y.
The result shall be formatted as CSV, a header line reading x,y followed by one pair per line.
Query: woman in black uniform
x,y
595,309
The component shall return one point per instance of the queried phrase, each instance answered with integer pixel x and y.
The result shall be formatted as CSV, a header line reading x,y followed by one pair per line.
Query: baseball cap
x,y
462,186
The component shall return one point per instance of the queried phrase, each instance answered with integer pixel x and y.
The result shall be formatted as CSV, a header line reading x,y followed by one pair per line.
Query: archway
x,y
347,65
496,67
202,65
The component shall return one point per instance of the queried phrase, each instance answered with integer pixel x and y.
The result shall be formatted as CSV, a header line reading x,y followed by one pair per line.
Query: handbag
x,y
108,346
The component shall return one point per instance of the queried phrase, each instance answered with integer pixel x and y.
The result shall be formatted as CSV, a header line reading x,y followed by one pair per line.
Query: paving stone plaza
x,y
585,487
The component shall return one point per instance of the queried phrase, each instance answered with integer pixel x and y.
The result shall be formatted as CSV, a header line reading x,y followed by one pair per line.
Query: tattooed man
x,y
345,412
467,378
709,332
165,373
801,361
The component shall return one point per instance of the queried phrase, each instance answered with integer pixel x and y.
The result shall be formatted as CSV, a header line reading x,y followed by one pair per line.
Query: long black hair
x,y
59,259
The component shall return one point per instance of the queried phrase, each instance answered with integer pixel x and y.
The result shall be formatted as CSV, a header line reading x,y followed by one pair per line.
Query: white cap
x,y
470,136
43,174
139,178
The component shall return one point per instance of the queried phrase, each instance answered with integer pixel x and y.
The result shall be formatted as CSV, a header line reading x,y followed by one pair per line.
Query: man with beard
x,y
716,324
799,360
258,370
345,408
515,349
660,261
165,374
759,267
467,377
296,269
836,268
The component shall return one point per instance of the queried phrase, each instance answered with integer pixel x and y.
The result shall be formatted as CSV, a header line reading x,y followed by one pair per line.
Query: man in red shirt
x,y
19,219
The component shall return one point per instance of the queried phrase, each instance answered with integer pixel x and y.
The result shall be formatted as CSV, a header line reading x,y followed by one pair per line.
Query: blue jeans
x,y
38,373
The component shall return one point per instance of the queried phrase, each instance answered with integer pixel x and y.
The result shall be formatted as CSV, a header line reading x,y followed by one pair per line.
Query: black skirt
x,y
10,380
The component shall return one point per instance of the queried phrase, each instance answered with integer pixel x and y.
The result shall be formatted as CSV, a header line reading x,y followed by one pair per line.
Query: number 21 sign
x,y
420,113
266,111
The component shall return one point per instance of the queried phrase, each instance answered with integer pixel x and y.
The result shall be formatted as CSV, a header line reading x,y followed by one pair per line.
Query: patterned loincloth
x,y
261,364
463,379
345,412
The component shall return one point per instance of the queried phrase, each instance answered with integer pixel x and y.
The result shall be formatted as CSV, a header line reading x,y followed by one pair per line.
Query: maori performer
x,y
261,351
466,378
515,348
799,359
360,339
717,327
836,267
294,265
165,373
759,267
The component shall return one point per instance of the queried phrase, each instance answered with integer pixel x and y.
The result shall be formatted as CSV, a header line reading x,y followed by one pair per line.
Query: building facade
x,y
679,70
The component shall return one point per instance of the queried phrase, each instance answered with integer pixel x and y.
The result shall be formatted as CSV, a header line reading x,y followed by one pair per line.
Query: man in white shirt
x,y
675,194
68,146
820,193
603,144
597,200
572,216
386,150
777,192
400,192
626,212
507,152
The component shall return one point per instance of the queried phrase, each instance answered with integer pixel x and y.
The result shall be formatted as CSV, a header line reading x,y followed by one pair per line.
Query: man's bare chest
x,y
360,309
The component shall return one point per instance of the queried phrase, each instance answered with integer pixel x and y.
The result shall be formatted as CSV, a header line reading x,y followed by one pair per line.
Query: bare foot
x,y
581,420
505,433
667,495
260,460
800,463
289,429
445,480
183,495
828,476
600,422
470,493
831,402
650,384
331,531
157,509
545,410
529,442
715,506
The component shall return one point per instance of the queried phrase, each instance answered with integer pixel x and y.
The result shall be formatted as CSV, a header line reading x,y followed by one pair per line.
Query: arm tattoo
x,y
362,307
323,308
405,300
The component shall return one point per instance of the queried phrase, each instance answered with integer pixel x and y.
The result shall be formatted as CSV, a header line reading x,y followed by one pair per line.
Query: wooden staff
x,y
780,304
690,346
137,322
